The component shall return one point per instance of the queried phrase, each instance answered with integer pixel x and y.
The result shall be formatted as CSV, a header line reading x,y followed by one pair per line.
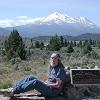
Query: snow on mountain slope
x,y
61,24
54,18
58,18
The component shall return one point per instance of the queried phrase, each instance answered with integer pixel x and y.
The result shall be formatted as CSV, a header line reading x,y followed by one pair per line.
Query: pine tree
x,y
31,45
37,44
98,45
90,42
74,43
41,45
65,43
21,50
70,49
14,46
79,44
61,41
71,43
85,42
54,44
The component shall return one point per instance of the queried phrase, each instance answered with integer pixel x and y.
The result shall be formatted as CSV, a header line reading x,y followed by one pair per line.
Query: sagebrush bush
x,y
15,60
93,55
4,70
6,84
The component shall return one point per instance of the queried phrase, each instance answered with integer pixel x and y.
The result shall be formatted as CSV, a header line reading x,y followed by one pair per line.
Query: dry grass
x,y
35,65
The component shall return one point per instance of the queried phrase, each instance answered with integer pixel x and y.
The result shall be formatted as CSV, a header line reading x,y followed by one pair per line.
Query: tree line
x,y
57,42
15,47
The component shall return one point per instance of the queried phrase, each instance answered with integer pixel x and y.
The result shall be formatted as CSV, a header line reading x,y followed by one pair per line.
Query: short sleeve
x,y
61,74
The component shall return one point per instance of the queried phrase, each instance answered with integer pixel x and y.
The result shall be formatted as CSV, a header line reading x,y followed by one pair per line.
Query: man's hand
x,y
46,82
56,85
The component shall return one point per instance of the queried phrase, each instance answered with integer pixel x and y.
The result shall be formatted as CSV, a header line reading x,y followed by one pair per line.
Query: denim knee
x,y
31,77
26,86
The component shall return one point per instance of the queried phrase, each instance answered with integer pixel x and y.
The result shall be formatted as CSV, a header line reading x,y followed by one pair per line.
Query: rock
x,y
31,97
21,98
4,98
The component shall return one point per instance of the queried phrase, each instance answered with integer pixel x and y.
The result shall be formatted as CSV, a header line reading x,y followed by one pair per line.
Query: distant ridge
x,y
4,32
87,36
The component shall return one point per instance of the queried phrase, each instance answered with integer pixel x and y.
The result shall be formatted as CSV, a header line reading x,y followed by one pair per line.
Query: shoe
x,y
7,92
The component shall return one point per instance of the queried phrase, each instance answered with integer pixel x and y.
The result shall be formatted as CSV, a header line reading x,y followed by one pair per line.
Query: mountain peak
x,y
54,17
60,18
58,14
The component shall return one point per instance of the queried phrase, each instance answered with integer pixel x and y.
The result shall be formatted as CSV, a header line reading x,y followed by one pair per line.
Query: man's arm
x,y
57,84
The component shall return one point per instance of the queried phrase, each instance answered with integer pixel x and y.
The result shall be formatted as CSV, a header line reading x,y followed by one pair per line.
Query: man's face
x,y
54,61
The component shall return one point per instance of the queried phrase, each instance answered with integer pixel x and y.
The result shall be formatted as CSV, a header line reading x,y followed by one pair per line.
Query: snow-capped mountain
x,y
57,23
58,18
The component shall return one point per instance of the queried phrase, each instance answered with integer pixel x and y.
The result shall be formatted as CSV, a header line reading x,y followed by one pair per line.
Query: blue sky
x,y
11,9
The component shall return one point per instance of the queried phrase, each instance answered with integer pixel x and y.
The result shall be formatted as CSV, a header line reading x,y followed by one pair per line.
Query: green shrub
x,y
93,55
6,84
69,49
4,70
15,60
26,68
86,49
79,61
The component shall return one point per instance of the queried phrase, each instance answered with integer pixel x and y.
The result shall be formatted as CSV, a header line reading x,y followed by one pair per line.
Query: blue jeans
x,y
31,83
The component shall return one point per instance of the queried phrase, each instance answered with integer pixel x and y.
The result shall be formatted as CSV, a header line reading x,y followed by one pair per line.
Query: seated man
x,y
52,87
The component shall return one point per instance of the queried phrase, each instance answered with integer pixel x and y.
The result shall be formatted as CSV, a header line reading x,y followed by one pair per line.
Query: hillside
x,y
82,37
4,32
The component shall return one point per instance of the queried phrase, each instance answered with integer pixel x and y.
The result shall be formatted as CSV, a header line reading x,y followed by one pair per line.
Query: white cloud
x,y
22,17
20,20
7,23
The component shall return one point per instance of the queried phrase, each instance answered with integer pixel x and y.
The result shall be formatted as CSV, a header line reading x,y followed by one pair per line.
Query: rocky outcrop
x,y
80,92
31,97
71,93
